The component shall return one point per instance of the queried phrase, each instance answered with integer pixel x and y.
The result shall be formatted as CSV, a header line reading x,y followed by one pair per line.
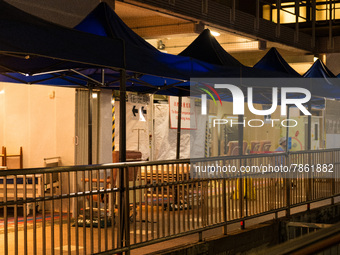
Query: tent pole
x,y
123,239
309,132
240,152
90,107
179,127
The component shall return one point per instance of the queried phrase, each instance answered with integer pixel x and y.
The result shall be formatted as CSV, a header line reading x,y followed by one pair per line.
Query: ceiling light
x,y
241,46
160,45
214,33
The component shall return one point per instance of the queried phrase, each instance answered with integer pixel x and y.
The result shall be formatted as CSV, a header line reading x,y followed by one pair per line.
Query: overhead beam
x,y
219,16
157,26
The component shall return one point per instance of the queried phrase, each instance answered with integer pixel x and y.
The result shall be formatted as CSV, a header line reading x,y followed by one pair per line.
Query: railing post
x,y
127,209
240,152
333,178
224,202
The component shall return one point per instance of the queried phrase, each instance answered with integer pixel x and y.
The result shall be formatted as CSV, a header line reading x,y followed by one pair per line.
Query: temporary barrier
x,y
161,201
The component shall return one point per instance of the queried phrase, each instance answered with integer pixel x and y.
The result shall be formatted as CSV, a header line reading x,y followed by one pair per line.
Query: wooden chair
x,y
7,159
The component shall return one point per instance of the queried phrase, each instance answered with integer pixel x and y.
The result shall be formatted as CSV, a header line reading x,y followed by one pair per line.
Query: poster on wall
x,y
188,118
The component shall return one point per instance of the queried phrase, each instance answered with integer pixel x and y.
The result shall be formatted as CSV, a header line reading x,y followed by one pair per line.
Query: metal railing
x,y
118,207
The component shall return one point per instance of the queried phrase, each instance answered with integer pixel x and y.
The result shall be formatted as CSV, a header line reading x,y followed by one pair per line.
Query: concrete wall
x,y
333,63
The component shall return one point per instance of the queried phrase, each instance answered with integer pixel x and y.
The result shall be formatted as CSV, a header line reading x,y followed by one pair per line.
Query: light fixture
x,y
315,59
94,95
160,45
214,33
241,46
2,91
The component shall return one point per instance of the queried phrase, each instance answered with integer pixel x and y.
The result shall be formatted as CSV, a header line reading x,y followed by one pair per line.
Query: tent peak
x,y
273,61
319,70
104,21
206,48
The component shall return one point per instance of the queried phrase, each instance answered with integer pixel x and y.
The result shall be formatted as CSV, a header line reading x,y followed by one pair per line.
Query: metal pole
x,y
278,9
257,18
122,157
309,142
233,11
297,14
287,180
313,22
90,107
309,147
240,152
330,28
240,135
287,130
179,128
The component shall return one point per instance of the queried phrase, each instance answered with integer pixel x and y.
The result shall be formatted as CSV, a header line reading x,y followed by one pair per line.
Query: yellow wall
x,y
40,119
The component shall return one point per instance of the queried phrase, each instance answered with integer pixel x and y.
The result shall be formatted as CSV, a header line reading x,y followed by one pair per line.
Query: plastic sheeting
x,y
166,138
137,132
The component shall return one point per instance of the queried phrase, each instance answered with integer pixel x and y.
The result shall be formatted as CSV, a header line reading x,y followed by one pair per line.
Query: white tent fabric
x,y
133,127
166,138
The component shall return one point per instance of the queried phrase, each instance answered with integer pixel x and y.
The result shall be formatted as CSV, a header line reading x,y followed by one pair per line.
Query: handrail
x,y
150,163
163,201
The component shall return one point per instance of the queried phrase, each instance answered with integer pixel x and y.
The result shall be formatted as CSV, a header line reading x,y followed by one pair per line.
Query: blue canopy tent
x,y
322,81
160,72
273,61
30,45
148,70
206,48
319,70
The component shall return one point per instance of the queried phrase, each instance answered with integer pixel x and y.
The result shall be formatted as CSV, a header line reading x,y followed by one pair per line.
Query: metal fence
x,y
118,207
